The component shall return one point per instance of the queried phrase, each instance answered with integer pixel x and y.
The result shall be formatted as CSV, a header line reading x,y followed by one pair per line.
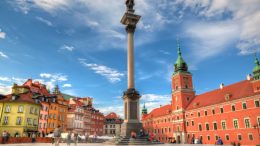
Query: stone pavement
x,y
92,144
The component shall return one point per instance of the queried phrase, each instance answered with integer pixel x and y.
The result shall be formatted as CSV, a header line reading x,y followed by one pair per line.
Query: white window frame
x,y
258,102
18,120
243,105
226,136
249,137
200,125
5,120
214,125
247,118
206,126
20,109
234,124
240,135
225,125
8,109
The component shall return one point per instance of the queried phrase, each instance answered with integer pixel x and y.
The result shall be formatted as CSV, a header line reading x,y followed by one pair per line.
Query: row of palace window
x,y
60,117
50,125
162,130
78,125
223,124
30,121
227,137
160,121
111,126
21,109
45,108
233,108
110,131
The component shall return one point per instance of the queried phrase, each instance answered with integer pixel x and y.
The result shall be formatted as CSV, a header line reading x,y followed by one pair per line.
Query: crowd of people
x,y
56,137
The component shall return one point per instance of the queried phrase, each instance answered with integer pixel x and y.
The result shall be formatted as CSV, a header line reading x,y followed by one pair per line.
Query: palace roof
x,y
111,115
158,112
25,97
227,93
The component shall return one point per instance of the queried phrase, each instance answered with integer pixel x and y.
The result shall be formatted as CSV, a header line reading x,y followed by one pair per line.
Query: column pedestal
x,y
131,112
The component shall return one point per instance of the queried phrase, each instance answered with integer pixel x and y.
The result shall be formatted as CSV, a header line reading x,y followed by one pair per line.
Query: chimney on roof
x,y
249,77
221,86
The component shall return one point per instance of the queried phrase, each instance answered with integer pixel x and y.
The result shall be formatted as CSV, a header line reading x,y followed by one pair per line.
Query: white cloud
x,y
4,90
153,101
67,47
118,109
2,34
2,55
54,77
51,80
112,75
211,39
241,15
66,85
5,79
103,17
45,75
47,22
18,80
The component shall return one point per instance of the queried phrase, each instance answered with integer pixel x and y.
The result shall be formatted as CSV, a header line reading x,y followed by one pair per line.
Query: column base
x,y
127,128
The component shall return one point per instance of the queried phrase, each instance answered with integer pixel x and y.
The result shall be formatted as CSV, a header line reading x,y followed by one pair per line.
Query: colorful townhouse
x,y
54,108
44,97
97,122
19,112
231,112
75,116
58,109
112,124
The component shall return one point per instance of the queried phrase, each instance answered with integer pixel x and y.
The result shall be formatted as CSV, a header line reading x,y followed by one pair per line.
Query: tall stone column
x,y
131,96
130,58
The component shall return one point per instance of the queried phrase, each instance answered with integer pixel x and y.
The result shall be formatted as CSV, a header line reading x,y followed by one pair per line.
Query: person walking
x,y
219,141
33,138
76,138
57,135
86,137
68,139
4,135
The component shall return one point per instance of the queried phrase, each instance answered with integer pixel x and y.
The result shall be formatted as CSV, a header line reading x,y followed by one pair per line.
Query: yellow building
x,y
19,114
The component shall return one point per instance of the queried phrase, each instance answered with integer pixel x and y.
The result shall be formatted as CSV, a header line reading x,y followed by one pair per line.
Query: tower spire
x,y
144,110
256,70
178,47
180,65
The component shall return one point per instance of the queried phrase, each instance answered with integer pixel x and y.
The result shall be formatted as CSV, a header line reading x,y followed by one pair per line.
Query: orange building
x,y
231,112
54,107
57,112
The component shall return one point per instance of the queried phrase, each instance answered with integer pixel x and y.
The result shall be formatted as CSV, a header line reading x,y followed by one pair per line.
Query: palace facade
x,y
231,112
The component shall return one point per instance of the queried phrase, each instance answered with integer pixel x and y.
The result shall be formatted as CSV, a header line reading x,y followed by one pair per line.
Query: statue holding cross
x,y
130,5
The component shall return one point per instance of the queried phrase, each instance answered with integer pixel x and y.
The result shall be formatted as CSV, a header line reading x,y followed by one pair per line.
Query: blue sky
x,y
81,45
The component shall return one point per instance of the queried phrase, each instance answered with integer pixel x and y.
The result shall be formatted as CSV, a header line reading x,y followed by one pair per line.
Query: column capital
x,y
130,28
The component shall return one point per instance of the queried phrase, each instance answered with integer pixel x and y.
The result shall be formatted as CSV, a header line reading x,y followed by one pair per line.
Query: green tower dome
x,y
180,65
256,70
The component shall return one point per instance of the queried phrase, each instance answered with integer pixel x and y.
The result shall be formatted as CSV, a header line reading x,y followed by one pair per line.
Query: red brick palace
x,y
231,112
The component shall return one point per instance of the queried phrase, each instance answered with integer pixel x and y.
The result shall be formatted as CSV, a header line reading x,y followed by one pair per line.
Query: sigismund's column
x,y
131,96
